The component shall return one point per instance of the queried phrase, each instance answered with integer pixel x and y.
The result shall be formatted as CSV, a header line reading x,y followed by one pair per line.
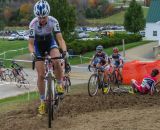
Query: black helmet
x,y
154,72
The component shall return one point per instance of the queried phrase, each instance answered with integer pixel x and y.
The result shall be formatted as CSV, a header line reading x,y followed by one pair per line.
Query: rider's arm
x,y
59,36
31,36
92,60
61,41
31,45
121,60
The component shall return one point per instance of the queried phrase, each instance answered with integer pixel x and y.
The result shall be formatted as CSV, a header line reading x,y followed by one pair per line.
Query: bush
x,y
81,47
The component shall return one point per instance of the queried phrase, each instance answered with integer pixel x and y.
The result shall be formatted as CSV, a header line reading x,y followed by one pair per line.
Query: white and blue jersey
x,y
116,59
43,38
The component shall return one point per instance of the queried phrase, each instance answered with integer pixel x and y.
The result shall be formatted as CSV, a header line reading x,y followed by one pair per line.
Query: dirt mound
x,y
73,106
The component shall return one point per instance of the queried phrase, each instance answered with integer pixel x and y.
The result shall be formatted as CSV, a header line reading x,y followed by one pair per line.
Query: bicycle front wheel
x,y
50,100
93,85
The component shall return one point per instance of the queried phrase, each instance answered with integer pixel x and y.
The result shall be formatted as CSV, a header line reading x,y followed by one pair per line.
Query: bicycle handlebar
x,y
44,58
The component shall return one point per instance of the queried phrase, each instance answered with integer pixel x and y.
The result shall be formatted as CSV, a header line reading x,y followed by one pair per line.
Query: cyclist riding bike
x,y
147,85
41,40
117,60
101,60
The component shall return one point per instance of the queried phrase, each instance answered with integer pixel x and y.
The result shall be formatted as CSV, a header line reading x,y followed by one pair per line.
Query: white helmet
x,y
41,8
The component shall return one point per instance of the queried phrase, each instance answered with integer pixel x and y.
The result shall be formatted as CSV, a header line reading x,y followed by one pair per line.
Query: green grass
x,y
19,98
16,102
114,19
12,45
6,45
77,60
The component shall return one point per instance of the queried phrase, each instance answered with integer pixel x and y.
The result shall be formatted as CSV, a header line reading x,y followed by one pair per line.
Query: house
x,y
152,30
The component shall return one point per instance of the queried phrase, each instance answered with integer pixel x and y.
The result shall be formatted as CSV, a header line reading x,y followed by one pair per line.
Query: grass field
x,y
114,19
15,45
6,45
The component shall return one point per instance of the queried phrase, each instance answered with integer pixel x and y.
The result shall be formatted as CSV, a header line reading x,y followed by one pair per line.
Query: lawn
x,y
14,45
6,45
114,19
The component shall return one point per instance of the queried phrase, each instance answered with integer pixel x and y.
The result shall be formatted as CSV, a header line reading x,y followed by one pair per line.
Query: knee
x,y
41,76
57,64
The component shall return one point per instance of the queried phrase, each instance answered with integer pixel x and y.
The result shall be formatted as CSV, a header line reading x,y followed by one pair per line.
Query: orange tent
x,y
137,70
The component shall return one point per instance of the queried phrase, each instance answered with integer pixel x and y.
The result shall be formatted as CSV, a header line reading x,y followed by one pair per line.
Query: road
x,y
79,74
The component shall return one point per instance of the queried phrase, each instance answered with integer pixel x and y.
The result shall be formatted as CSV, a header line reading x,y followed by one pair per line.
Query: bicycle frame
x,y
48,71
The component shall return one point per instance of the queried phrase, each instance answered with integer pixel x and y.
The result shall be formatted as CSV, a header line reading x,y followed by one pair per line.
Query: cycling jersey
x,y
147,84
100,58
43,38
116,59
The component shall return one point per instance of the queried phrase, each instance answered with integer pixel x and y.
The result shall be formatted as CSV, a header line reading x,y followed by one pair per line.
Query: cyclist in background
x,y
117,60
101,60
147,85
41,40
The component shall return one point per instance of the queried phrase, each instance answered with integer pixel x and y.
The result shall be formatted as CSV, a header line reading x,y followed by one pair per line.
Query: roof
x,y
154,12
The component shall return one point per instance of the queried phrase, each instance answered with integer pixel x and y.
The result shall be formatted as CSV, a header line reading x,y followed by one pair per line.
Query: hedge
x,y
81,46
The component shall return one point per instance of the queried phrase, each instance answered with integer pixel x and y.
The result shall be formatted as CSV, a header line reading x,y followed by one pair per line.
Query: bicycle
x,y
4,73
116,80
51,96
96,81
157,87
17,74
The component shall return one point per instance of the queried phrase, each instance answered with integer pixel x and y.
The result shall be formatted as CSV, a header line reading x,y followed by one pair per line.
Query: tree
x,y
7,14
134,18
65,14
2,25
26,10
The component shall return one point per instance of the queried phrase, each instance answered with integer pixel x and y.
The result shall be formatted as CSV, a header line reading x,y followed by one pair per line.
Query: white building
x,y
152,31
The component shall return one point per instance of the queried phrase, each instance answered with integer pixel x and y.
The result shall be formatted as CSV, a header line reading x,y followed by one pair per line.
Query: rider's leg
x,y
106,72
57,69
40,82
41,85
135,85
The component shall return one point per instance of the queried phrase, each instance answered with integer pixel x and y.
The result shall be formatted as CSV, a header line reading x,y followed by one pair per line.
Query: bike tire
x,y
26,84
19,83
157,87
67,84
49,101
3,77
93,83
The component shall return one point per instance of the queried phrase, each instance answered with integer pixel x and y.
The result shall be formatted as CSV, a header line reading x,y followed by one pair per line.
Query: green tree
x,y
134,18
65,14
2,24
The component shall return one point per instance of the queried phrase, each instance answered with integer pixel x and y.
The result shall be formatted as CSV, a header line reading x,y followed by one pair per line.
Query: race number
x,y
57,27
31,33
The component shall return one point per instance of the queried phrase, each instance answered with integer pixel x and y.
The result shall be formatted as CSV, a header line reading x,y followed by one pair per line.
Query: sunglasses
x,y
41,18
99,51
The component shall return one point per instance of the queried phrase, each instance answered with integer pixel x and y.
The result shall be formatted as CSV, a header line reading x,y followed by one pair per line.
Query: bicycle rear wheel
x,y
7,75
67,84
93,85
